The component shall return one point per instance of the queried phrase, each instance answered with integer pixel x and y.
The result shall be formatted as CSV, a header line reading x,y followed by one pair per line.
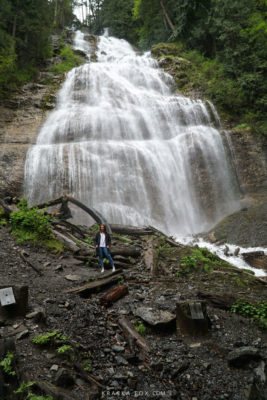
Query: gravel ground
x,y
176,368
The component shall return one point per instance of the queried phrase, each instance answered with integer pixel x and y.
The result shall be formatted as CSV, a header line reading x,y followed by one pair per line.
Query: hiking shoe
x,y
113,268
102,270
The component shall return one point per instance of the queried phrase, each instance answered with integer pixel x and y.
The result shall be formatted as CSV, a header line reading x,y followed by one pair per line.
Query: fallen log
x,y
131,230
7,210
70,244
131,333
114,251
91,287
151,258
113,295
89,210
23,256
73,227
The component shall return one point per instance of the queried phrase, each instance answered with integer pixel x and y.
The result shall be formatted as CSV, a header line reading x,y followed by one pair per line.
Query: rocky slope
x,y
100,360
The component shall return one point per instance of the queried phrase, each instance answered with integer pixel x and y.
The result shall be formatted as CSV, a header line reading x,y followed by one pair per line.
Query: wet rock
x,y
155,317
64,378
38,315
54,368
118,348
242,356
259,372
73,278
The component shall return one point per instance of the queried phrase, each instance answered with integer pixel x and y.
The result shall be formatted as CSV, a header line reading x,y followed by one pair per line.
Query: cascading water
x,y
122,142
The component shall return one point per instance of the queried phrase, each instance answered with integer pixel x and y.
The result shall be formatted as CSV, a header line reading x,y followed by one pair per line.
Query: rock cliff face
x,y
22,115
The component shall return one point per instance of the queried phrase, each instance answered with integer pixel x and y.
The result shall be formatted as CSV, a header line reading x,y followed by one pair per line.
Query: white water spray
x,y
122,142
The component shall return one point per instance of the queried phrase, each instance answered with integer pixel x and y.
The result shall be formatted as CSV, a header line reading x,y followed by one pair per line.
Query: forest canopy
x,y
232,33
25,30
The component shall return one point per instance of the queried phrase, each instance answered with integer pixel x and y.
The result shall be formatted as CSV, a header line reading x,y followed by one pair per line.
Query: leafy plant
x,y
139,326
30,224
86,365
32,396
256,312
24,386
89,241
6,364
188,262
49,338
120,280
69,61
64,349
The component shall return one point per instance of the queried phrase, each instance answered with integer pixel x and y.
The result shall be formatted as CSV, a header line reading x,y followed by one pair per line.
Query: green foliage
x,y
32,396
64,349
6,364
30,224
24,386
69,61
188,263
53,337
120,280
139,326
256,312
86,365
89,241
3,221
94,228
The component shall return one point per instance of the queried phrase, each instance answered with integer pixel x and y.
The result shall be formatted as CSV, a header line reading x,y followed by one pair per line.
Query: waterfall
x,y
121,141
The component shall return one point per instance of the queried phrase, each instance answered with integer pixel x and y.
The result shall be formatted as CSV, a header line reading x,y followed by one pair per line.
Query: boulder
x,y
241,356
154,316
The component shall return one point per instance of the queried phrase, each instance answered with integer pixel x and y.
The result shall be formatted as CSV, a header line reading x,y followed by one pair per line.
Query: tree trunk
x,y
167,16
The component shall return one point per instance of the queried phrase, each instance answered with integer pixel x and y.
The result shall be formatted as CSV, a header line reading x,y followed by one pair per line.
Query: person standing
x,y
102,244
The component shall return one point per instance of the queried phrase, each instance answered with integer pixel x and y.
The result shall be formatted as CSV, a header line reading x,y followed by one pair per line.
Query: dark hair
x,y
103,226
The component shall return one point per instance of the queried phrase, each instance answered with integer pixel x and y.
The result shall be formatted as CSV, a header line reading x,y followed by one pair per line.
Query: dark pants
x,y
103,251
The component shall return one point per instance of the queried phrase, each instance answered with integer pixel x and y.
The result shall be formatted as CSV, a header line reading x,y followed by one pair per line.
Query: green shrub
x,y
49,338
6,364
139,326
256,312
188,262
69,61
24,386
30,224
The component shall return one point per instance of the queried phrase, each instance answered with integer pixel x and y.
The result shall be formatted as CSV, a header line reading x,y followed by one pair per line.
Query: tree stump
x,y
21,305
192,318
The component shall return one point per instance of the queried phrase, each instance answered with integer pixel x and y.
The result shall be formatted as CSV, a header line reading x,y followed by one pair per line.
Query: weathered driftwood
x,y
151,258
95,285
113,295
131,230
130,331
192,318
24,258
256,259
71,226
7,210
89,210
70,244
124,251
